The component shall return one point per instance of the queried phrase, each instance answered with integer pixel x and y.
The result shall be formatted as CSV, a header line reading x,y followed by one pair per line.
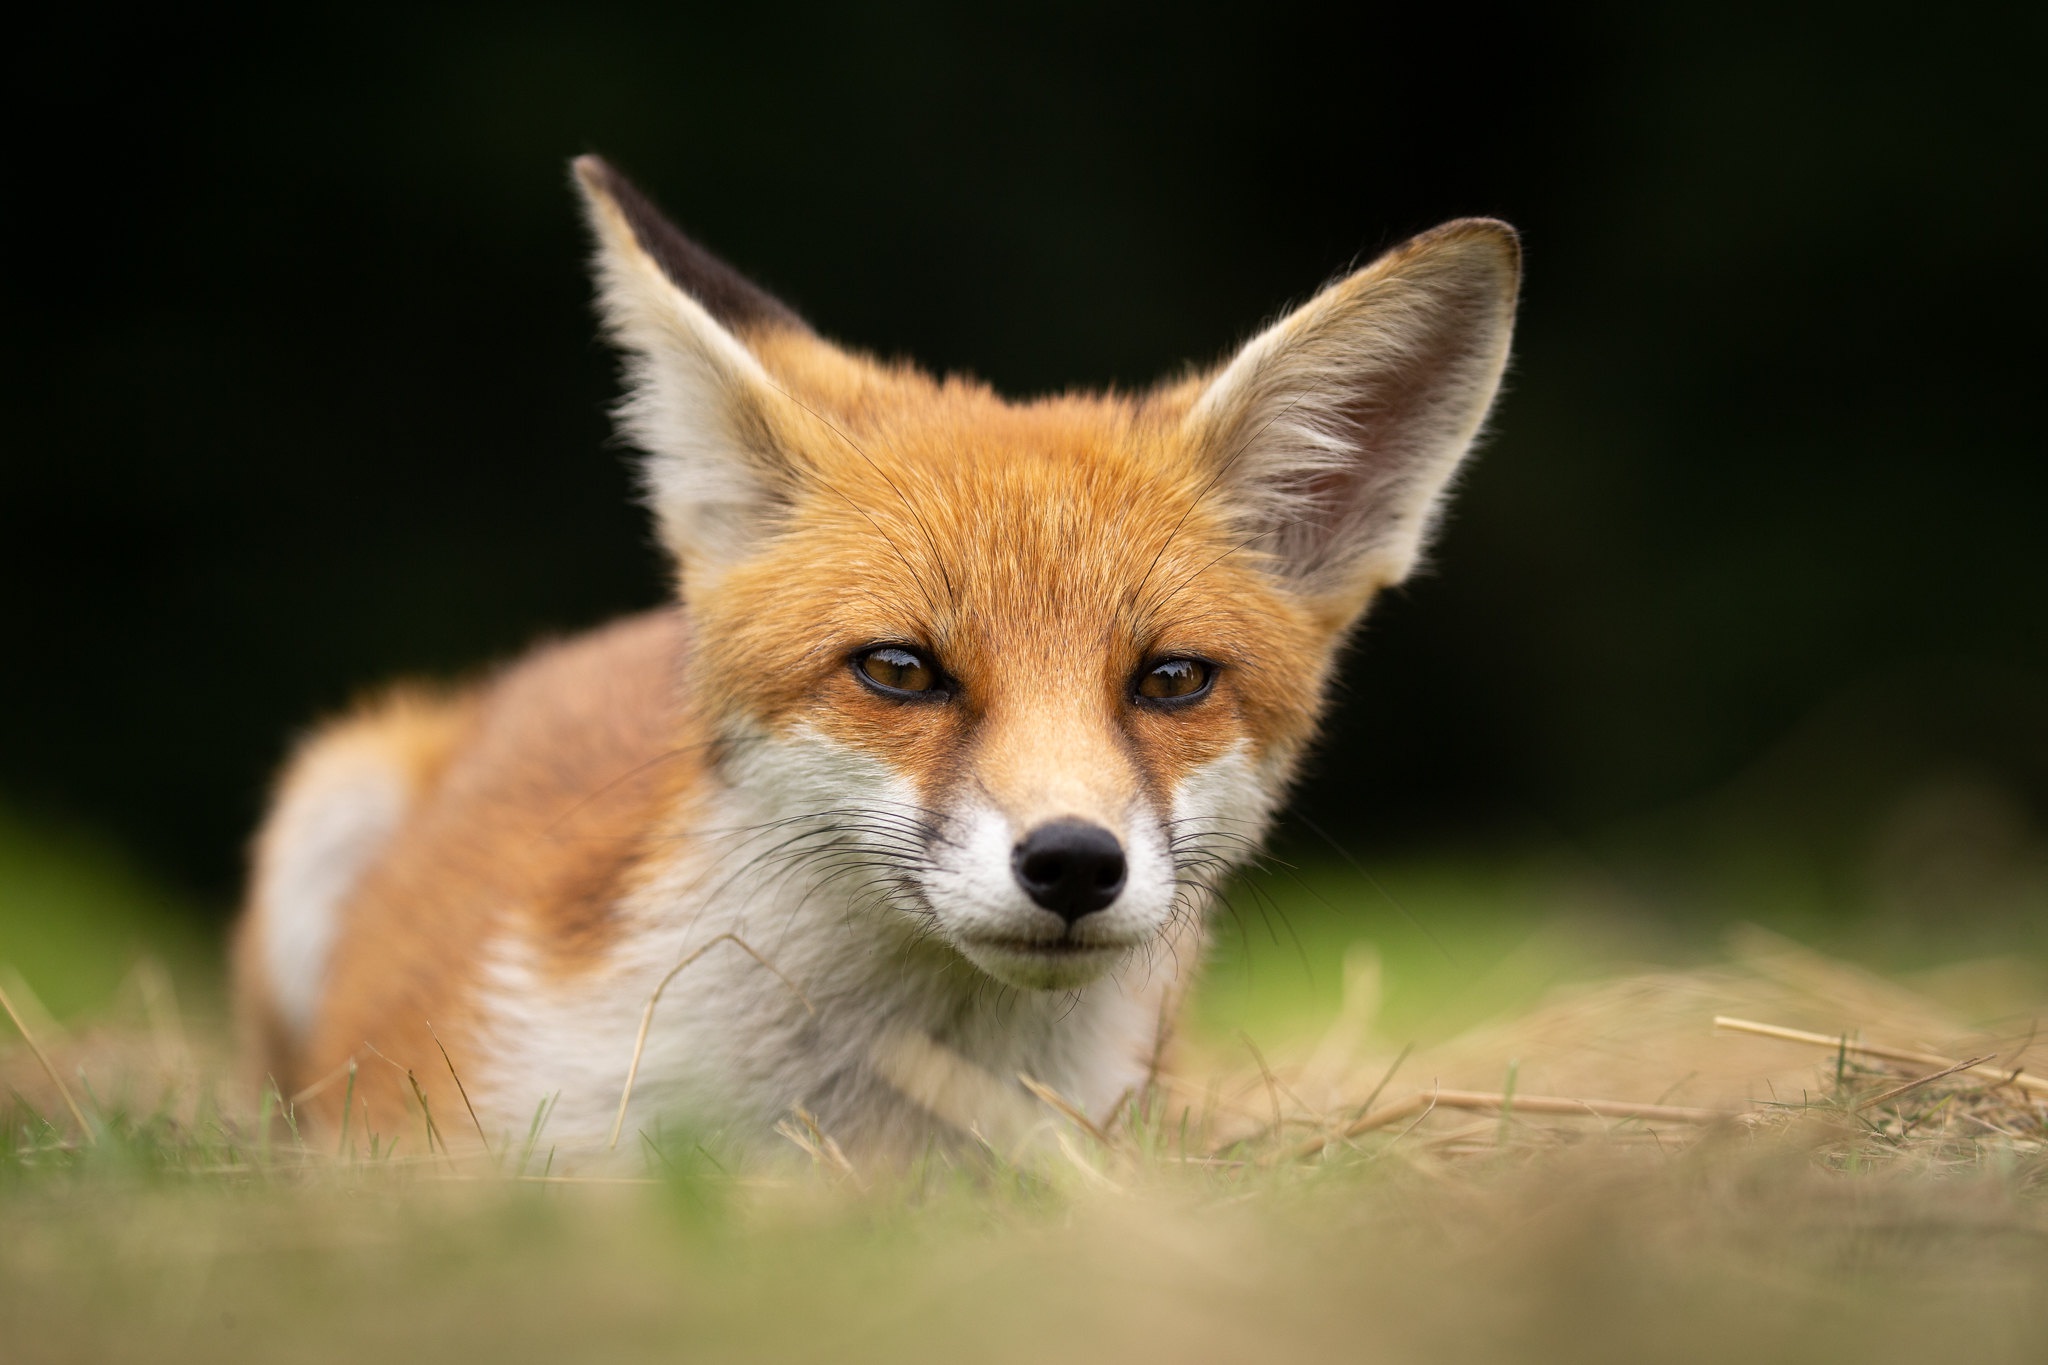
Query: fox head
x,y
1043,670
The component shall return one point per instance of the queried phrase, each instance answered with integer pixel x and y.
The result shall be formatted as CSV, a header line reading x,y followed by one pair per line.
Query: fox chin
x,y
925,781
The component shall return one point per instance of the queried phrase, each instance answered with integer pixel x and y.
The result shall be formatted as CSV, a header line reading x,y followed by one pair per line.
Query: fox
x,y
920,791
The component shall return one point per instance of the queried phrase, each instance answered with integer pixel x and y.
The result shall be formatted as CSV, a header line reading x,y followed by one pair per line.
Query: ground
x,y
1358,1153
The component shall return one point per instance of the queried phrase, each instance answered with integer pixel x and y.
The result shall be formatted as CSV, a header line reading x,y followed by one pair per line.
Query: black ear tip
x,y
727,295
602,180
592,172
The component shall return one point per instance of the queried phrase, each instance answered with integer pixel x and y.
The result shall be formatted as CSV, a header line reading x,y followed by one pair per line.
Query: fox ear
x,y
1337,430
699,405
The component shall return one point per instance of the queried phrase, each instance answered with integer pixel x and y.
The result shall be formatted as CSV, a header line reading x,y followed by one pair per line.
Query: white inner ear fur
x,y
697,401
1337,430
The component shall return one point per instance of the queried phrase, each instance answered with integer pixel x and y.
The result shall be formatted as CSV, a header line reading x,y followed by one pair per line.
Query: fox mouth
x,y
1061,963
1045,947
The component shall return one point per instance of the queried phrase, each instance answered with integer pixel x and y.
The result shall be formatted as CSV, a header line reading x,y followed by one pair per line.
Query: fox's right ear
x,y
698,403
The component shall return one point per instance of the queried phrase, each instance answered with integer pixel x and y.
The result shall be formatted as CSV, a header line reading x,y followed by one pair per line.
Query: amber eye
x,y
895,670
1176,680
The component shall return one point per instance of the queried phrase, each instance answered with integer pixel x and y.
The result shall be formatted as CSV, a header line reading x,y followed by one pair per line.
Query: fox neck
x,y
879,1027
819,987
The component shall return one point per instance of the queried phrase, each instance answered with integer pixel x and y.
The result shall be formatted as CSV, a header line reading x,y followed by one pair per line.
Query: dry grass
x,y
1847,1172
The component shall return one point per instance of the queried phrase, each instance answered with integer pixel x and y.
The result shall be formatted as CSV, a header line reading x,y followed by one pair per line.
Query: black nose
x,y
1070,867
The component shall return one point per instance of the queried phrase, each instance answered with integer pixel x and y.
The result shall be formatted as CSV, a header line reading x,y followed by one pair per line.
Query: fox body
x,y
964,708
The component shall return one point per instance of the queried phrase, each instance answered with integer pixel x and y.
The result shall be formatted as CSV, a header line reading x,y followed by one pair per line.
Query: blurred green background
x,y
1744,612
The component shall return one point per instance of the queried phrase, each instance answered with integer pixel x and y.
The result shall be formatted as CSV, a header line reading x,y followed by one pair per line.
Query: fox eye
x,y
1172,680
896,671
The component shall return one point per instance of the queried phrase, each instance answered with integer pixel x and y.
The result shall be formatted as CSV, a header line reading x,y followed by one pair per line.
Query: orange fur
x,y
1043,551
413,731
570,760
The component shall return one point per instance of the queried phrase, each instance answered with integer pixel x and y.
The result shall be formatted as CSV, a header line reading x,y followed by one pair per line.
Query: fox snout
x,y
1051,863
1070,867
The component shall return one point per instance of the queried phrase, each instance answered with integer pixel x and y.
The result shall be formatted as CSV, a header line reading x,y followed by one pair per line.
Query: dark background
x,y
301,391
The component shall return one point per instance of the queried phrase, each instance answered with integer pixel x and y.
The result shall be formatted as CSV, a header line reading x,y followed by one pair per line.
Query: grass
x,y
1360,1152
162,1243
76,916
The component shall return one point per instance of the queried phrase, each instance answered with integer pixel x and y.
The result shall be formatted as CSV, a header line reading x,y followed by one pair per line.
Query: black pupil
x,y
1176,678
897,668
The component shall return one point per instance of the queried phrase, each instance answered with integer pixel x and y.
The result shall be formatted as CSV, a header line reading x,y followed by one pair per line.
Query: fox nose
x,y
1070,867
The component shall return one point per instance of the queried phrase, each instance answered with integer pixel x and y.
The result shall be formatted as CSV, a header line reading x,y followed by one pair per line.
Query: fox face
x,y
1045,750
1024,681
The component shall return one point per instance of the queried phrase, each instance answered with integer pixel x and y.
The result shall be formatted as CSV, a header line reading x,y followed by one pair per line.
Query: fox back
x,y
926,781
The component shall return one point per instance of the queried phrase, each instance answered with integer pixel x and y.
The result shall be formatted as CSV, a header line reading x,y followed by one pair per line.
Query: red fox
x,y
962,712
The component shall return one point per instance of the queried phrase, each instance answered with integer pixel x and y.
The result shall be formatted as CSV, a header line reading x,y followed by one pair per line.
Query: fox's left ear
x,y
1337,430
699,404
